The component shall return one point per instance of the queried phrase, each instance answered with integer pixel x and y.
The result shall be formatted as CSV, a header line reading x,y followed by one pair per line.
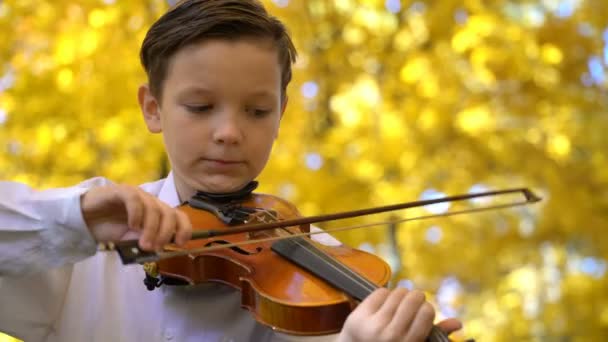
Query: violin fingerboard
x,y
306,255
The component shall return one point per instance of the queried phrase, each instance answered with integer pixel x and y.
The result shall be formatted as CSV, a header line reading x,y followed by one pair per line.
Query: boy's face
x,y
220,113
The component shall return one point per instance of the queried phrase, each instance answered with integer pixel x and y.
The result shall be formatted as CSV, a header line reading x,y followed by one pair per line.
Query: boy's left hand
x,y
391,316
116,212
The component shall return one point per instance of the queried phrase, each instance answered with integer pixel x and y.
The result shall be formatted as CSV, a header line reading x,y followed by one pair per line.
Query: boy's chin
x,y
222,185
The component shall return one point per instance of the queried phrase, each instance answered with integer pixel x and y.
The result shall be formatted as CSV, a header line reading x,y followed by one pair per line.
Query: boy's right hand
x,y
117,212
396,315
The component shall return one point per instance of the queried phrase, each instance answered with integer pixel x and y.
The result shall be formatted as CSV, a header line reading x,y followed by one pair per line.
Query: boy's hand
x,y
393,315
115,212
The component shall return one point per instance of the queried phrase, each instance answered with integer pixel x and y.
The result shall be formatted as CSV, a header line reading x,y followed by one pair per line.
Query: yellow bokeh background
x,y
391,101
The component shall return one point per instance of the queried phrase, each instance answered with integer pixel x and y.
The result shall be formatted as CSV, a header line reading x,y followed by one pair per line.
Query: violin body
x,y
276,291
293,285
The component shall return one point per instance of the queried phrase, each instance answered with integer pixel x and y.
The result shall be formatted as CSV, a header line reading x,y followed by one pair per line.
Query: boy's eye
x,y
259,112
198,108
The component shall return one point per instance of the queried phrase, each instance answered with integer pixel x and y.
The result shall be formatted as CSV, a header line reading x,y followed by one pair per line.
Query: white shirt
x,y
55,287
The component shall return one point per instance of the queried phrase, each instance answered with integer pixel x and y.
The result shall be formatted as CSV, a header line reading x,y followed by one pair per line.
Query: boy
x,y
218,72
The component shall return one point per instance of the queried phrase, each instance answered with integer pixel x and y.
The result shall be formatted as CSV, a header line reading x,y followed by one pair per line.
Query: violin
x,y
261,245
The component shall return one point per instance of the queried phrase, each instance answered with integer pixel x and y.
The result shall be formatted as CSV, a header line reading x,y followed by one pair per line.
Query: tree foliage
x,y
392,101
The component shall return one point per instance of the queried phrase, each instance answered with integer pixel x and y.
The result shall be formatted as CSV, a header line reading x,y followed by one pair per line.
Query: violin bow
x,y
130,252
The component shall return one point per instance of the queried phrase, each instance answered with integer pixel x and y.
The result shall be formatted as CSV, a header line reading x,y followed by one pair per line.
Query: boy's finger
x,y
184,228
450,325
134,207
406,312
391,303
151,223
421,327
167,227
374,301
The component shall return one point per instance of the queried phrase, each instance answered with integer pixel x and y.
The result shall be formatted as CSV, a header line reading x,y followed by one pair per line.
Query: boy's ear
x,y
284,105
149,108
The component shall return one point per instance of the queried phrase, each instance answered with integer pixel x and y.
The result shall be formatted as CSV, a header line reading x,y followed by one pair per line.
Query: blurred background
x,y
392,101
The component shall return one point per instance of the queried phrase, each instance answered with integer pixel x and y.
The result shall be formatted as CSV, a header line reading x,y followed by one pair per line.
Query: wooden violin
x,y
259,244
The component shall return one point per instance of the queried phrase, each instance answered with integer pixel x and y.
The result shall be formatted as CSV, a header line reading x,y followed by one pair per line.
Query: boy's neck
x,y
238,195
185,193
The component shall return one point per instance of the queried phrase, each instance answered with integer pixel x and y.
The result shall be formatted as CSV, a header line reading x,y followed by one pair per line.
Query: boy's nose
x,y
227,130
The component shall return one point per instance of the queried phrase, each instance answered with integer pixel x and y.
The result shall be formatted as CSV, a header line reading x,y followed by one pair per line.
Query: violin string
x,y
339,267
310,248
180,252
438,334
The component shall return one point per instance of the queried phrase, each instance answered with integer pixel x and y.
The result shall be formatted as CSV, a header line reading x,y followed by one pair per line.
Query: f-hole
x,y
234,248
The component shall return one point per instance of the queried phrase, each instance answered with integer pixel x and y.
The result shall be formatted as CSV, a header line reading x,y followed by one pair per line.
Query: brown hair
x,y
191,21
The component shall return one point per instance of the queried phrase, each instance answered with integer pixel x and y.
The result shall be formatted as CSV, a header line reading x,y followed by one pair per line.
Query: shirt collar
x,y
168,192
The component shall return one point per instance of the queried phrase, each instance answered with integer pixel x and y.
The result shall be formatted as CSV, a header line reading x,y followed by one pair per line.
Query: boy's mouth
x,y
222,161
223,166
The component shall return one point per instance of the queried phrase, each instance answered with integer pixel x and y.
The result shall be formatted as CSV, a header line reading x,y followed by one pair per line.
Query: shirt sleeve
x,y
42,235
42,230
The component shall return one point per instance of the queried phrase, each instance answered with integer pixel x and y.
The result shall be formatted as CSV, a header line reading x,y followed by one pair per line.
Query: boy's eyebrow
x,y
263,94
197,90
